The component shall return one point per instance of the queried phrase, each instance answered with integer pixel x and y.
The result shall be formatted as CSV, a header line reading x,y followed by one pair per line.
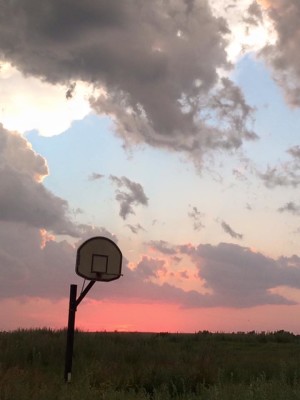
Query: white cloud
x,y
250,27
28,103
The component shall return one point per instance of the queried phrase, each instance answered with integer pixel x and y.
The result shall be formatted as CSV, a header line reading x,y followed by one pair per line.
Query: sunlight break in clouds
x,y
45,237
28,103
250,27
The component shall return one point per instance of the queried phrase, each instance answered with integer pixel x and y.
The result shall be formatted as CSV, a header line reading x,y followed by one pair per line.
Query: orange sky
x,y
264,3
148,317
268,3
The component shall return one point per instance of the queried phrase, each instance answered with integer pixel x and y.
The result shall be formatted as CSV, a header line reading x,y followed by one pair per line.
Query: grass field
x,y
164,366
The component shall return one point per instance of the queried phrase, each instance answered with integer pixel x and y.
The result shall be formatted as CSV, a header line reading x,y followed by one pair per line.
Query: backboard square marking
x,y
99,263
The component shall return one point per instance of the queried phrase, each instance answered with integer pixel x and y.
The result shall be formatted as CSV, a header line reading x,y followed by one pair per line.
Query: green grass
x,y
163,366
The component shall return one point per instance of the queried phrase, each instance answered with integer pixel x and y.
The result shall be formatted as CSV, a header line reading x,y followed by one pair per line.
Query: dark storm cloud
x,y
283,56
157,61
128,194
227,228
22,197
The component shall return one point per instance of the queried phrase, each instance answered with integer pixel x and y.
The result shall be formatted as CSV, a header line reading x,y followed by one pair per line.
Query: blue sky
x,y
184,149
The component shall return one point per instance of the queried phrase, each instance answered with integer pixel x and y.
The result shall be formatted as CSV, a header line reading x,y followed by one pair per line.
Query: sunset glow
x,y
265,3
171,129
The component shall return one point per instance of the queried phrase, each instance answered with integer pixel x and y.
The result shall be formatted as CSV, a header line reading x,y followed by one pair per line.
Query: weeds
x,y
132,366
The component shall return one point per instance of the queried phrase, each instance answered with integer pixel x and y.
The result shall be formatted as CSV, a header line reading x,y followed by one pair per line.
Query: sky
x,y
169,127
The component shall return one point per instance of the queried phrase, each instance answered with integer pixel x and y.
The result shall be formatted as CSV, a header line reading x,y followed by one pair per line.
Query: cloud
x,y
150,267
95,176
184,274
17,154
70,91
255,13
28,103
248,207
32,264
158,63
30,267
163,247
295,153
235,276
88,231
284,174
282,55
196,216
128,194
77,211
23,198
290,207
230,231
272,177
240,277
135,228
239,175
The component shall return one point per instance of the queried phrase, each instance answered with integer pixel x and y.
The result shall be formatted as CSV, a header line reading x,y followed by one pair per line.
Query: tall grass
x,y
164,366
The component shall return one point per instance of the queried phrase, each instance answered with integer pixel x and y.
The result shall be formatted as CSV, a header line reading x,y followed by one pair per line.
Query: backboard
x,y
99,259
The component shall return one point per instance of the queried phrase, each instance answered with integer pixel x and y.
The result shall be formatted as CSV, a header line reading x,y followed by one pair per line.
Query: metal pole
x,y
84,292
70,333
